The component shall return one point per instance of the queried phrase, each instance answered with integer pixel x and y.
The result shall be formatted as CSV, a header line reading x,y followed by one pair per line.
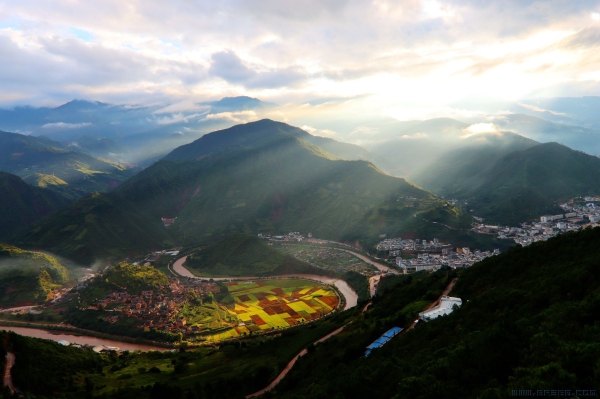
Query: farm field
x,y
328,258
275,304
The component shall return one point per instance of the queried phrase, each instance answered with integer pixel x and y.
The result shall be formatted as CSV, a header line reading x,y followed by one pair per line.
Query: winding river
x,y
348,293
79,339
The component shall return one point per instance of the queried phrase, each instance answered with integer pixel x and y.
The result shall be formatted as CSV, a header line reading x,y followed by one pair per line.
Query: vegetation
x,y
233,370
359,283
28,155
135,278
513,187
36,369
27,277
529,320
21,204
245,255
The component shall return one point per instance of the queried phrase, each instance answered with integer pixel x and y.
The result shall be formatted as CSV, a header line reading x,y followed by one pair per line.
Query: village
x,y
158,309
430,255
575,218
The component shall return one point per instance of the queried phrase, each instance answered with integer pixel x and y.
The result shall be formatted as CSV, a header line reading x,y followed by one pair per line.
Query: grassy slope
x,y
28,277
22,204
529,320
27,155
245,255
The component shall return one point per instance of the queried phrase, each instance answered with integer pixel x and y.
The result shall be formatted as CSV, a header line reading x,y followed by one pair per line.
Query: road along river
x,y
374,280
79,339
348,293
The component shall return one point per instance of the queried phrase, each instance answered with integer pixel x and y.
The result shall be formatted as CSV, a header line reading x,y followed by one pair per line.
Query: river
x,y
79,339
349,294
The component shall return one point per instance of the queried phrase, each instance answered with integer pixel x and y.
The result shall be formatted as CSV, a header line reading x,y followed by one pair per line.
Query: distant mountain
x,y
415,147
241,103
576,137
245,255
21,204
27,155
28,278
524,184
259,134
258,177
462,166
581,111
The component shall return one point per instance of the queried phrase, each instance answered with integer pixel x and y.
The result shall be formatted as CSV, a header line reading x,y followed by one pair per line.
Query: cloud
x,y
236,117
538,109
176,118
318,132
63,125
228,66
425,52
414,136
480,128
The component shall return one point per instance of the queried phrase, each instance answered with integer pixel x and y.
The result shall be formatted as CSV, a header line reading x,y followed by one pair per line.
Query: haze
x,y
408,60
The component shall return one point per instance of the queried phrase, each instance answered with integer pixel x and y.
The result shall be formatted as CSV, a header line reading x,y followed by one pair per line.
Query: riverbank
x,y
81,339
350,296
80,336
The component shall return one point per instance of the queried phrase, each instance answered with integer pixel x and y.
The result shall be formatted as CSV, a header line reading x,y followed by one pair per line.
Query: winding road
x,y
7,379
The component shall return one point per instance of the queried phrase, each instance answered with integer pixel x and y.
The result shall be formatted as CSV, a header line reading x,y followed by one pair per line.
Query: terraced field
x,y
274,304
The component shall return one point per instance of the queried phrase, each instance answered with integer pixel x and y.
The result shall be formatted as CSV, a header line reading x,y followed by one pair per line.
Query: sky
x,y
405,59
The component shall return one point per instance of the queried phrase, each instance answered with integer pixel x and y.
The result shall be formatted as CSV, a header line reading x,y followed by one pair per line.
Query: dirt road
x,y
289,366
7,379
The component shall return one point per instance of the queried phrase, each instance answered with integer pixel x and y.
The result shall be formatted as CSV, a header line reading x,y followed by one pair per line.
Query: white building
x,y
446,306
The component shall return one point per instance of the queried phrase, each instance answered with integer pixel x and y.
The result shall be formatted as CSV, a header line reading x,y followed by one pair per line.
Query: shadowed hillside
x,y
520,185
21,204
267,181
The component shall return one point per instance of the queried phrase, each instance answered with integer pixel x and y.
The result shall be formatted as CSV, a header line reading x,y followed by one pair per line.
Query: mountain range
x,y
49,164
514,183
257,177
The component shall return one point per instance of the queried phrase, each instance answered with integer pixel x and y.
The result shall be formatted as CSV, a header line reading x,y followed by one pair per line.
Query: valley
x,y
200,269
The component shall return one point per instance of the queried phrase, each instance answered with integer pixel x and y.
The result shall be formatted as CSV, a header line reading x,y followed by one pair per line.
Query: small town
x,y
430,255
575,218
157,309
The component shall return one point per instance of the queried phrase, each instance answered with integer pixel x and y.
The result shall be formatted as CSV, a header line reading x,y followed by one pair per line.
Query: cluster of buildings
x,y
152,257
574,218
430,255
463,257
396,246
291,236
157,309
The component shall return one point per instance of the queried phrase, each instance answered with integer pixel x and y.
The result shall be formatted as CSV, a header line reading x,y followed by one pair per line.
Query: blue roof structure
x,y
379,342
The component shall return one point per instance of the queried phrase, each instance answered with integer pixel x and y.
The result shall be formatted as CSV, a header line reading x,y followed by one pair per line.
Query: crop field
x,y
328,258
274,304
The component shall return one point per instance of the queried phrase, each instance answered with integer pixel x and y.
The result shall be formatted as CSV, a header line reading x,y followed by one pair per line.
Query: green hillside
x,y
265,132
461,167
27,277
287,184
27,155
55,184
21,204
529,321
135,277
99,226
525,184
245,255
